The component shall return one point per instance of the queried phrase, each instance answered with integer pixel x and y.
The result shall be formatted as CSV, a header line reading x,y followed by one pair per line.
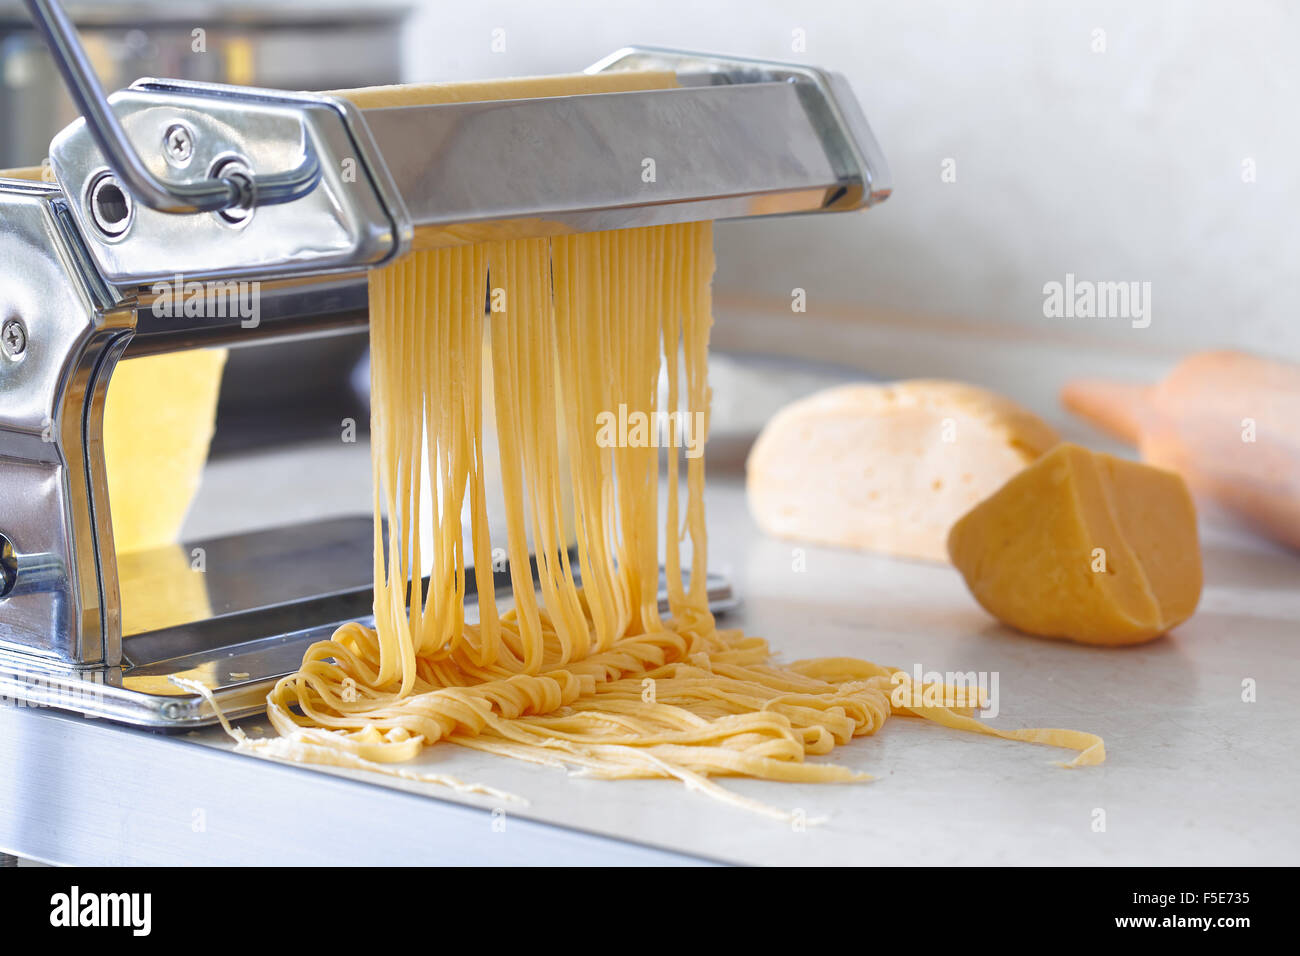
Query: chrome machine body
x,y
304,193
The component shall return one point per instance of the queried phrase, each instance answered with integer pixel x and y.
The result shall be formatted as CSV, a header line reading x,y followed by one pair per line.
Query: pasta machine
x,y
304,193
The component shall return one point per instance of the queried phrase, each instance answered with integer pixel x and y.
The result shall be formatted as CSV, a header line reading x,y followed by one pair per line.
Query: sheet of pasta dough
x,y
158,422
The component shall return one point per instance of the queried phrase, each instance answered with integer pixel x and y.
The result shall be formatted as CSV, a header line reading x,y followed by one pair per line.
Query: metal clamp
x,y
215,194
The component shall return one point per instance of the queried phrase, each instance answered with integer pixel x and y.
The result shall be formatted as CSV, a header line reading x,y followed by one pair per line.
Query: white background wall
x,y
1117,165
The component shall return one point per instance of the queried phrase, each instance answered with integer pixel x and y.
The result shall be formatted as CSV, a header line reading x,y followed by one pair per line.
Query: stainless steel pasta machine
x,y
303,193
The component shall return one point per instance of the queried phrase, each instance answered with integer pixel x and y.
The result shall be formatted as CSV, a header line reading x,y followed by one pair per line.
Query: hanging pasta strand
x,y
588,676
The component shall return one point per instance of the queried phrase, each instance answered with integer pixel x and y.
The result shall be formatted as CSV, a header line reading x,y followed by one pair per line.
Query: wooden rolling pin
x,y
1228,422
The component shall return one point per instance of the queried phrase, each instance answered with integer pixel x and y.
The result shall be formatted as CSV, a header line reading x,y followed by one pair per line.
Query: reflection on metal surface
x,y
719,152
168,587
236,628
287,309
831,105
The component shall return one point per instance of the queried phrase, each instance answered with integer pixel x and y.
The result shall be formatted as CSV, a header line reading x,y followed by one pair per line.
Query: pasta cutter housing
x,y
303,193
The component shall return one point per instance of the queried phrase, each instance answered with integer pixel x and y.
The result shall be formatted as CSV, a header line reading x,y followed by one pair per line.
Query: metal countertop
x,y
1194,775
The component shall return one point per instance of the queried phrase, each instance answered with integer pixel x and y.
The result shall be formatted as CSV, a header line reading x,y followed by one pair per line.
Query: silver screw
x,y
178,144
14,338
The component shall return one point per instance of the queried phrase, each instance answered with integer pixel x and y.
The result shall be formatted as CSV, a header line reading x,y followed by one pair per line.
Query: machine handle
x,y
210,195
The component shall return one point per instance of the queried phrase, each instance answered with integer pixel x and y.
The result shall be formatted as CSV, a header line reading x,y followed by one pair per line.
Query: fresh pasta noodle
x,y
578,669
581,670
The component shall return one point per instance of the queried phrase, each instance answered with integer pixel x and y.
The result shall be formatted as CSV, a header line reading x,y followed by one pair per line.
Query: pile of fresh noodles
x,y
591,677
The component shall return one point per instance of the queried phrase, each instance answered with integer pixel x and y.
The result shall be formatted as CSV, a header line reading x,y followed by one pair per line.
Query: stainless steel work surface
x,y
1194,774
